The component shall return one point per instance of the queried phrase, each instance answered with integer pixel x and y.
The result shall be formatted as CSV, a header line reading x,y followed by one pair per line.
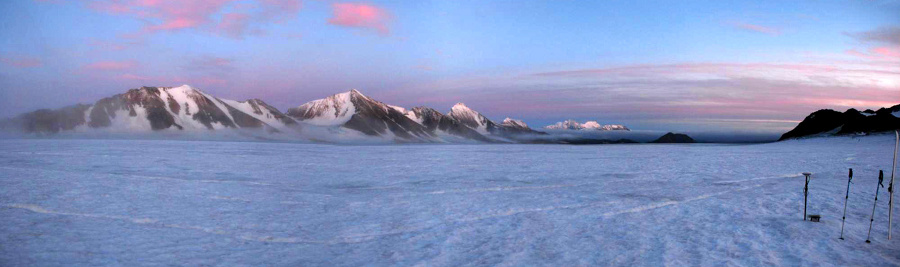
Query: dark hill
x,y
674,138
852,121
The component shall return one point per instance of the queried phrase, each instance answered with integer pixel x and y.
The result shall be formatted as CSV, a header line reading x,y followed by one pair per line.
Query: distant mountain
x,y
674,138
353,110
513,123
590,125
336,118
830,122
441,124
156,108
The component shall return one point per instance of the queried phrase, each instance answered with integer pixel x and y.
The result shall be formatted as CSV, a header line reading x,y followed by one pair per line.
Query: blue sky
x,y
655,65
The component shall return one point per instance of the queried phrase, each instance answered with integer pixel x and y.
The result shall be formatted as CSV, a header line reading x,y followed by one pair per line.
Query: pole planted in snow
x,y
846,198
891,185
805,193
872,220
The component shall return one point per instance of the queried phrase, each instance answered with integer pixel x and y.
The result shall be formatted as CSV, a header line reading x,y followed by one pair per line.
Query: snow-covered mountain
x,y
353,110
441,124
158,108
513,123
471,118
510,128
185,108
590,125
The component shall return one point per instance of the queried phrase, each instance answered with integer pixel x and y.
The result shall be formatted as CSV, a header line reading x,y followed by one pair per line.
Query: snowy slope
x,y
107,202
334,110
263,112
508,122
471,118
182,102
354,111
148,109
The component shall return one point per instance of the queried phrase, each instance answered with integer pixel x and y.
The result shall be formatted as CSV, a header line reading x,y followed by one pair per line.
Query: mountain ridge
x,y
348,116
852,121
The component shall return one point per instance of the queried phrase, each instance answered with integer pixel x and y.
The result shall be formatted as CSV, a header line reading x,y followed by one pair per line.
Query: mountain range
x,y
589,125
185,108
827,122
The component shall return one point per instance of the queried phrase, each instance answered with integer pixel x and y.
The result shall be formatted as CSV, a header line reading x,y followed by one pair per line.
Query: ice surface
x,y
152,202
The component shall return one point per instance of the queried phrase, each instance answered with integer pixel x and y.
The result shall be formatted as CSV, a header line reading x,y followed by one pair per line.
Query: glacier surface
x,y
158,202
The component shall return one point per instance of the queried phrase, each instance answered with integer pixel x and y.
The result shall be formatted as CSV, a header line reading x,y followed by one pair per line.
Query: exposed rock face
x,y
376,118
511,128
331,111
356,111
830,122
674,138
434,121
353,110
513,123
263,109
472,119
185,108
156,108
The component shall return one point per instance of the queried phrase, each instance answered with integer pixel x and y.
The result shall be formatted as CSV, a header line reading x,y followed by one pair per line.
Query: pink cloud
x,y
111,65
360,15
730,90
883,53
22,62
891,52
756,28
242,18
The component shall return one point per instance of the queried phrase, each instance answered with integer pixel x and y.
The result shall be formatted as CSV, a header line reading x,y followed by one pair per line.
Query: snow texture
x,y
153,202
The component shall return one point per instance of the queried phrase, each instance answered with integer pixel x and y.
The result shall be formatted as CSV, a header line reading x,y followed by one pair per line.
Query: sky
x,y
742,66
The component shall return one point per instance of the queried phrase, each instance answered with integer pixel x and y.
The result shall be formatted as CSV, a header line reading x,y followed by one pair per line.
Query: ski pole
x,y
846,198
891,185
805,193
872,220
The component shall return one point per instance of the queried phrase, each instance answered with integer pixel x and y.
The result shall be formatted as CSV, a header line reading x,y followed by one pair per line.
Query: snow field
x,y
128,202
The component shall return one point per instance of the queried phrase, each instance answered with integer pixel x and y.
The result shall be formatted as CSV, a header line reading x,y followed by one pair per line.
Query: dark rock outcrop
x,y
830,122
434,121
376,118
674,138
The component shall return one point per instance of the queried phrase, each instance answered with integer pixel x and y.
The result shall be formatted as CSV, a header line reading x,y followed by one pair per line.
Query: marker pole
x,y
846,198
872,220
